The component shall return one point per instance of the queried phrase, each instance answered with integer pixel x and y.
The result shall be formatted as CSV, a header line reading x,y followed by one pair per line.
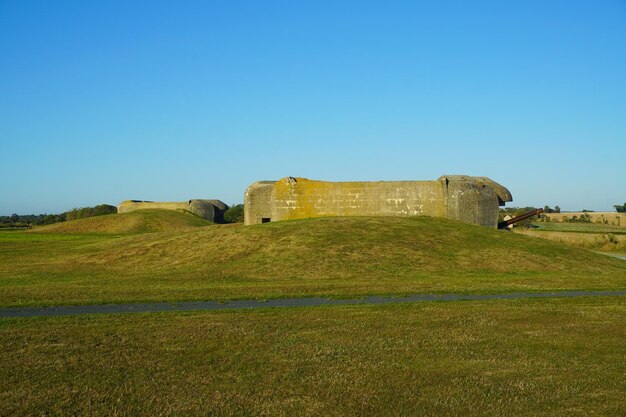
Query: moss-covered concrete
x,y
472,200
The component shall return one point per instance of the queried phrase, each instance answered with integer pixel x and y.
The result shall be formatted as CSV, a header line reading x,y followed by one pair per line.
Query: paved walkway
x,y
280,302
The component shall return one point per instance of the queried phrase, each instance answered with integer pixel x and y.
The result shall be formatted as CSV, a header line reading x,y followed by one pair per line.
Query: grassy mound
x,y
315,257
342,248
141,221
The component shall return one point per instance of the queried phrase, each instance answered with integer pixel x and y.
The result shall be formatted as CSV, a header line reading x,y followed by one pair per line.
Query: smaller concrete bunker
x,y
212,210
474,200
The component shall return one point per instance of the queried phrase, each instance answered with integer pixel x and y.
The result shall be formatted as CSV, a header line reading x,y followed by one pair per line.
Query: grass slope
x,y
142,221
499,358
320,257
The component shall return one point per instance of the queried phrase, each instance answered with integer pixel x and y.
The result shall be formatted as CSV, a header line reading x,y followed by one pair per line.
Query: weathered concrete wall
x,y
132,205
212,210
257,204
299,197
469,199
474,200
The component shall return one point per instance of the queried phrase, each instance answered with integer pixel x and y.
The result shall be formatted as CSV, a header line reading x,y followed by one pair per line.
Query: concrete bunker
x,y
212,210
474,200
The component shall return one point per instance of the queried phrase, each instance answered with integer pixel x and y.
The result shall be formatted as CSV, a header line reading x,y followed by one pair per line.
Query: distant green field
x,y
579,227
544,357
591,236
340,257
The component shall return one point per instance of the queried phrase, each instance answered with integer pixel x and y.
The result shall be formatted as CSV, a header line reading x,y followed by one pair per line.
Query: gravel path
x,y
280,302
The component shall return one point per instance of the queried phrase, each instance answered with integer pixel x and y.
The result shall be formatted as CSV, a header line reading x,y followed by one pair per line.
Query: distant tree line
x,y
549,210
84,212
620,208
30,220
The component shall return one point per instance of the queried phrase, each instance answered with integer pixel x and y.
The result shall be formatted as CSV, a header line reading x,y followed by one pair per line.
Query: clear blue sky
x,y
106,101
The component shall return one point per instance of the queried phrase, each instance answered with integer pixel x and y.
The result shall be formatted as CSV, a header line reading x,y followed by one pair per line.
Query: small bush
x,y
104,209
53,218
234,214
584,218
84,212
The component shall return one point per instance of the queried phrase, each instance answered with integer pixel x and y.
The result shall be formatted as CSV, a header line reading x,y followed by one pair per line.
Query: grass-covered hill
x,y
503,357
143,221
349,248
329,256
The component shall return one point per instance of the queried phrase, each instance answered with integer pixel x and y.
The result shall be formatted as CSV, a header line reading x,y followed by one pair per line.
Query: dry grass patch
x,y
607,242
613,218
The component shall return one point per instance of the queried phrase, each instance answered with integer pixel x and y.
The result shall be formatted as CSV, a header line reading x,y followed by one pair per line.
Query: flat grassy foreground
x,y
498,358
341,257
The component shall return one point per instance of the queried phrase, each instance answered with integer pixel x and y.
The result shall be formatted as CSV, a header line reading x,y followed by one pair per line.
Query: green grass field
x,y
539,357
496,358
341,257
